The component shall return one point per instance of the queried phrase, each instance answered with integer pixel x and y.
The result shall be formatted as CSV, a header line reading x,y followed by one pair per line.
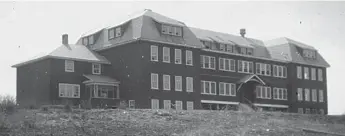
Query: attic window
x,y
118,32
111,33
249,51
85,41
309,54
91,40
171,30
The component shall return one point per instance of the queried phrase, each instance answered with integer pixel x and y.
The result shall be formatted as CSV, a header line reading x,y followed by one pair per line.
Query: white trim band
x,y
271,105
219,102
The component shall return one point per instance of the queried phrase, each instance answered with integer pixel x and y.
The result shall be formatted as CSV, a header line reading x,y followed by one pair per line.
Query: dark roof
x,y
71,52
100,79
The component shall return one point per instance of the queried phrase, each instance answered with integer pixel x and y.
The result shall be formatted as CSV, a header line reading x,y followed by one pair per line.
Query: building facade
x,y
155,62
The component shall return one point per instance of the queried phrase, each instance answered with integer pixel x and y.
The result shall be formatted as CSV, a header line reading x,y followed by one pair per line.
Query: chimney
x,y
243,32
65,39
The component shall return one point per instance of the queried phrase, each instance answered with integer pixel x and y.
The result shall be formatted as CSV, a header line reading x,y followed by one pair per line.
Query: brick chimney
x,y
65,39
243,32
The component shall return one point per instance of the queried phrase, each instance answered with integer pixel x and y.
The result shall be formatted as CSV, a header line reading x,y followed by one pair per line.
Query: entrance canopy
x,y
253,78
102,80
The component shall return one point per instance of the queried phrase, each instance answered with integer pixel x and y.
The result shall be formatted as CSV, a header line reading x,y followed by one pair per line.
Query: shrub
x,y
7,104
68,108
85,104
123,105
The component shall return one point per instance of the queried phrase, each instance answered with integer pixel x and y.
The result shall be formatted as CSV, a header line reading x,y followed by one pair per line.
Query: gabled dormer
x,y
309,54
171,30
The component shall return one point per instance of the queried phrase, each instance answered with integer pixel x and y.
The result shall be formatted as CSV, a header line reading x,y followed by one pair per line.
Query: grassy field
x,y
164,123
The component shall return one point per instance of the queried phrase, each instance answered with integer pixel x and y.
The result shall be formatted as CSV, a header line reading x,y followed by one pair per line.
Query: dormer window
x,y
96,69
249,51
118,32
85,41
309,54
91,40
111,33
171,30
222,47
243,51
229,48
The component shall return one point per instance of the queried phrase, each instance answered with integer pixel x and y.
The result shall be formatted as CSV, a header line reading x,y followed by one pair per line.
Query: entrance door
x,y
247,92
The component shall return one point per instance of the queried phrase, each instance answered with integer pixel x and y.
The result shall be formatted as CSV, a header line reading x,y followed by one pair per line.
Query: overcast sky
x,y
30,28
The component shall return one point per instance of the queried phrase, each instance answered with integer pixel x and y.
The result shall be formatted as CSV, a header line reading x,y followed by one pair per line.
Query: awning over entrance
x,y
252,77
98,79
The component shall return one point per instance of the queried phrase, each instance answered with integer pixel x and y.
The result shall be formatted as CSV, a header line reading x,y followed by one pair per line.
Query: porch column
x,y
117,91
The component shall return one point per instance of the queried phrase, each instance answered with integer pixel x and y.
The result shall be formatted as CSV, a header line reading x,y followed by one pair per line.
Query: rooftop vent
x,y
65,39
243,32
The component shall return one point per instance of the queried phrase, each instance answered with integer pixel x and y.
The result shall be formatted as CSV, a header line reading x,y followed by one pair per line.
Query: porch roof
x,y
100,79
252,77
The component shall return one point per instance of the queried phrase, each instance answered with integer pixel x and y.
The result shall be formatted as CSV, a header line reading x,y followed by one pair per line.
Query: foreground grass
x,y
164,123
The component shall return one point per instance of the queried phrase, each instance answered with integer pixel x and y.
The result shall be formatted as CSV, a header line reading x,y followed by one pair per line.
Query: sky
x,y
31,28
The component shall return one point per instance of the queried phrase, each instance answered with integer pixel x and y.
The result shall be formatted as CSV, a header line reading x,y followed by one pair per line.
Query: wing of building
x,y
153,61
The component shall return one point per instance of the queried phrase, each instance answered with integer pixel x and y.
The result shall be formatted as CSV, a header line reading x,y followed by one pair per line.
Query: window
x,y
208,62
154,104
96,68
85,41
178,56
167,104
189,58
131,104
208,87
222,47
243,51
263,69
306,73
279,71
307,111
227,89
154,53
299,94
111,33
165,29
322,112
166,54
190,105
319,74
299,72
229,48
69,90
178,31
91,40
314,95
245,66
69,65
263,92
306,95
178,105
118,32
189,83
154,81
226,64
166,82
178,83
313,74
321,96
102,91
279,93
309,54
300,110
249,51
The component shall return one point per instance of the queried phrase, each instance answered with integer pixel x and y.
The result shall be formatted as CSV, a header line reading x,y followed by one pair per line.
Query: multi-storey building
x,y
152,61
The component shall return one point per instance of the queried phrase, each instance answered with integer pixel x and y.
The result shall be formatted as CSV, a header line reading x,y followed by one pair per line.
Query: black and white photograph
x,y
172,68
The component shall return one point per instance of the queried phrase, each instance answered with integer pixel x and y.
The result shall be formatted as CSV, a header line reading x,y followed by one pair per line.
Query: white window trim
x,y
61,85
166,54
249,63
321,96
180,82
189,56
280,68
157,83
305,94
178,56
154,53
93,68
319,74
224,64
154,103
131,102
299,72
178,107
264,66
313,95
313,73
67,63
111,31
190,105
167,104
232,88
189,81
300,94
209,82
166,78
116,32
209,62
278,93
306,73
267,91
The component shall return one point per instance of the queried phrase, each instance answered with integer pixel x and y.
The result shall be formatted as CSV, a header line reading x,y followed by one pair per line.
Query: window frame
x,y
242,65
99,68
280,93
320,74
306,94
69,66
209,62
111,33
154,76
130,104
118,32
279,70
166,54
155,104
166,80
63,87
261,89
313,73
231,91
321,96
167,104
313,95
299,72
181,105
189,82
178,56
300,94
178,82
203,91
306,74
189,58
190,105
154,53
230,64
